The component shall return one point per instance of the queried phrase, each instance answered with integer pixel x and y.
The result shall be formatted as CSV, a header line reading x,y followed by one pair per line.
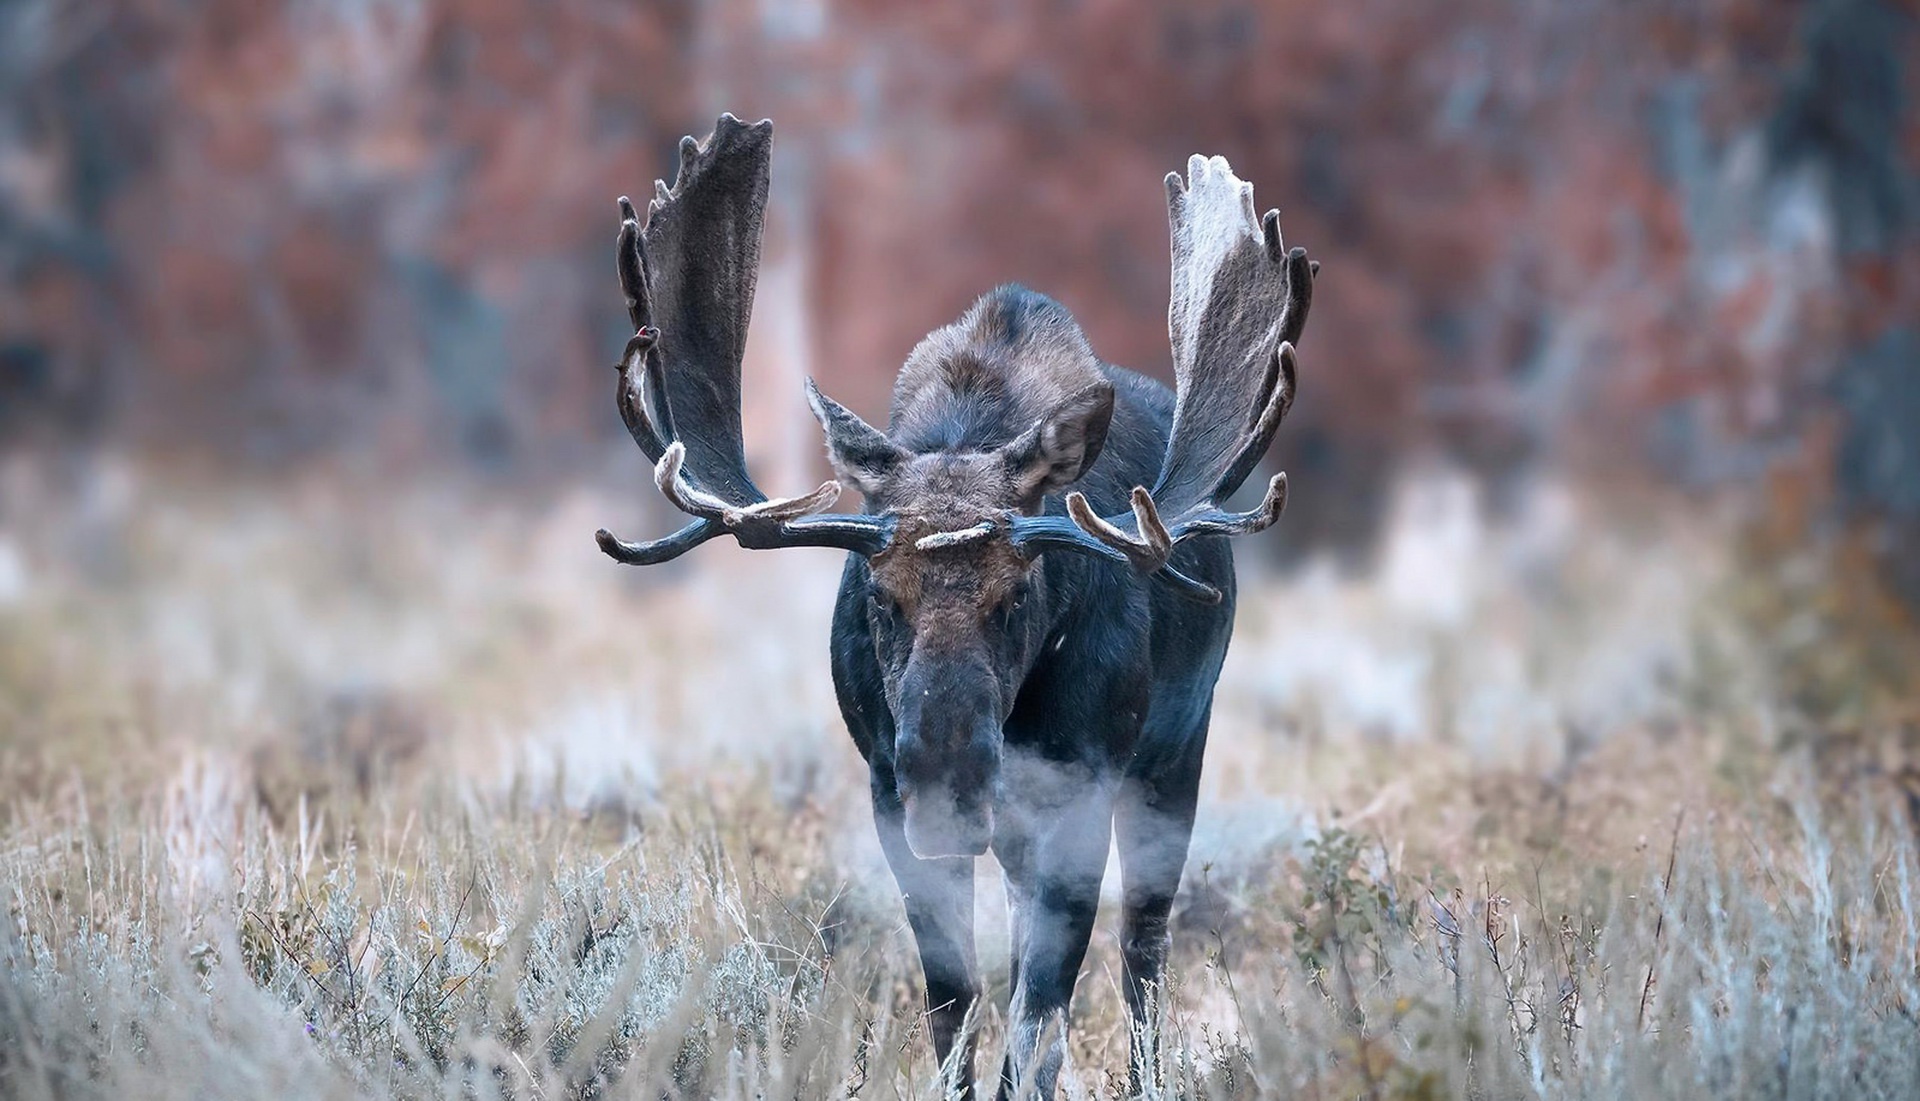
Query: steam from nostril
x,y
939,825
947,786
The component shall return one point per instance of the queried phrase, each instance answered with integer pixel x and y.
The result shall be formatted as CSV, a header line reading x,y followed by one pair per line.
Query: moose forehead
x,y
943,492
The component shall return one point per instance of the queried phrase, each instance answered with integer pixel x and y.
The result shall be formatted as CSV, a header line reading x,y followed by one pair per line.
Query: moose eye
x,y
1012,605
883,606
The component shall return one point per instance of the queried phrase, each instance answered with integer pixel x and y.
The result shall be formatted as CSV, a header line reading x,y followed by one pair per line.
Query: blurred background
x,y
1663,241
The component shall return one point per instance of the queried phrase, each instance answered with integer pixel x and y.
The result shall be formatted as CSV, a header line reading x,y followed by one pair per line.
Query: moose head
x,y
956,610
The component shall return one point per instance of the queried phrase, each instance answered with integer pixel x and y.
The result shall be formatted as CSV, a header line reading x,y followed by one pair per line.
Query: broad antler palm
x,y
689,277
1239,303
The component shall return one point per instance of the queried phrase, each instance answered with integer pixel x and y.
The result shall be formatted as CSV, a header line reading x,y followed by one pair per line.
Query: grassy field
x,y
340,788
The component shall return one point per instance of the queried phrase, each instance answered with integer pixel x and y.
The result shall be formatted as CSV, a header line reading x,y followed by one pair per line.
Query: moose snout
x,y
946,766
948,796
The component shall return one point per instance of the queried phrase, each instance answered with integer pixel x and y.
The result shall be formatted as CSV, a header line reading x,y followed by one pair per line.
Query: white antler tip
x,y
667,471
821,498
1146,519
940,540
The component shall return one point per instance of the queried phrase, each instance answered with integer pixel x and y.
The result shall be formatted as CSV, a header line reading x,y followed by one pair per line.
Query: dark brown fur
x,y
983,380
959,585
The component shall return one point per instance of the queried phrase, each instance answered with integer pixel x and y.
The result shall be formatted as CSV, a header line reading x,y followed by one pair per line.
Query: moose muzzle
x,y
947,755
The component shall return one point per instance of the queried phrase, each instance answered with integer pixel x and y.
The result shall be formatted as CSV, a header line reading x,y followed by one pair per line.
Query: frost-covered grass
x,y
343,789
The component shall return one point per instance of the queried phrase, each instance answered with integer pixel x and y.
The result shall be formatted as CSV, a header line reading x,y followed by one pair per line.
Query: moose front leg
x,y
1053,875
1153,819
939,900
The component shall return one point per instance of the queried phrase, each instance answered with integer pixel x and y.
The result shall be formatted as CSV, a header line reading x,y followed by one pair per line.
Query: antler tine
x,y
1148,550
941,540
670,476
1301,272
1216,521
642,395
1152,551
630,259
689,153
792,508
1276,398
631,398
659,550
1270,232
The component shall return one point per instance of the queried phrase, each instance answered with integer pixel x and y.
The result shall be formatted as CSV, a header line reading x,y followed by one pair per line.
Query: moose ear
x,y
861,454
1059,448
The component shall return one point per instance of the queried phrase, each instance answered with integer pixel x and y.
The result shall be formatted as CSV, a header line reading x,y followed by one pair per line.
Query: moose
x,y
1027,636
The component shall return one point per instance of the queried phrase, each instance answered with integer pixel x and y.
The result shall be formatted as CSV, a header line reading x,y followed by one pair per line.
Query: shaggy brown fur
x,y
952,589
978,383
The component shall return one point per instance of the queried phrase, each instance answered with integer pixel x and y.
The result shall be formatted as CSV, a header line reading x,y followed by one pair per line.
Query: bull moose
x,y
1027,637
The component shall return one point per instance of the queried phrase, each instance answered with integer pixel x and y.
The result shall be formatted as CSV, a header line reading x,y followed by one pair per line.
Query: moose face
x,y
955,630
958,613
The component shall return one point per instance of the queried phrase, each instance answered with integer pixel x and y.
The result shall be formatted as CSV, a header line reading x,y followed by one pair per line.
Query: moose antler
x,y
688,275
1239,304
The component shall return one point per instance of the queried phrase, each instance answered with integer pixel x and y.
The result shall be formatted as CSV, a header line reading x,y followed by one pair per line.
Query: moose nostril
x,y
916,765
963,769
911,774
